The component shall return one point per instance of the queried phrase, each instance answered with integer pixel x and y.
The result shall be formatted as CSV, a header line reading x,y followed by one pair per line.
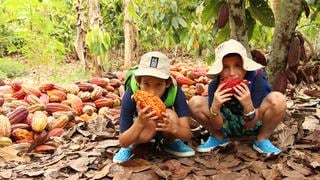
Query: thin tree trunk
x,y
276,5
130,35
237,21
289,15
79,43
94,22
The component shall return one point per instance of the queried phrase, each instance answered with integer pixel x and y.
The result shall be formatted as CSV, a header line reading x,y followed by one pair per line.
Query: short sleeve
x,y
128,110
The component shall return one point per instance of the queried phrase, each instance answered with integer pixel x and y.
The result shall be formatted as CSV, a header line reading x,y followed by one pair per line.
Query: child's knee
x,y
277,100
196,103
147,133
146,136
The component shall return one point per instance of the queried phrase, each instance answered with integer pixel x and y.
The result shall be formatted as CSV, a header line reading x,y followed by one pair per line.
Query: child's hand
x,y
221,96
145,114
243,94
167,124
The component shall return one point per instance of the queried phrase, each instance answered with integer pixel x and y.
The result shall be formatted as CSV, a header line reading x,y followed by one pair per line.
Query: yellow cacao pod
x,y
5,141
5,126
39,121
59,122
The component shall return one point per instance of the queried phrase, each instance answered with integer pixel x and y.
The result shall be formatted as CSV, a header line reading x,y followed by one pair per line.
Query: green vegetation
x,y
10,68
76,75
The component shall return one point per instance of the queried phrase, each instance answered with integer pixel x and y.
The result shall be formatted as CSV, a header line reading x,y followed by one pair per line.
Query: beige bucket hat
x,y
228,47
154,64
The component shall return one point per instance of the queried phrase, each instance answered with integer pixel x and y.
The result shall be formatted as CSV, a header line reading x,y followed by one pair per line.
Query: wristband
x,y
249,116
213,113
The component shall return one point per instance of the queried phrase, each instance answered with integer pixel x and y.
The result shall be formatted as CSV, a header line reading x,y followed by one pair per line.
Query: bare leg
x,y
271,112
147,133
200,112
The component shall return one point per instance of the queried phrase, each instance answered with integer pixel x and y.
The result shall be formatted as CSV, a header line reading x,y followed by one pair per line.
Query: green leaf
x,y
175,22
182,22
190,43
223,34
250,24
211,8
210,58
132,11
261,11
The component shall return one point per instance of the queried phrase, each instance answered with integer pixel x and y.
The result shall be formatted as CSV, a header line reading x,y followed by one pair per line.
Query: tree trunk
x,y
237,21
275,5
130,36
290,13
94,18
317,47
79,43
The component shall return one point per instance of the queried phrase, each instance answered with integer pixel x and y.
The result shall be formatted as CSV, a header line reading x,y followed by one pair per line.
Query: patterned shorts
x,y
234,125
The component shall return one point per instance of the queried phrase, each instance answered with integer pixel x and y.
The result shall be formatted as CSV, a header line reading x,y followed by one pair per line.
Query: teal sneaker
x,y
212,143
123,155
178,148
266,147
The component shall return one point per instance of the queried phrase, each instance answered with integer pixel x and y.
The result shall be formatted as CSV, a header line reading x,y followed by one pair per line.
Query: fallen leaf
x,y
162,173
315,160
80,164
108,143
207,172
145,175
289,173
186,161
231,175
299,167
287,136
311,123
228,162
33,173
313,136
243,151
207,164
122,175
103,172
10,154
136,165
74,176
6,174
181,173
257,166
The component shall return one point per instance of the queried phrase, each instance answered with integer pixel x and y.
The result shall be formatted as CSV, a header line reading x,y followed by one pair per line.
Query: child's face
x,y
153,85
232,67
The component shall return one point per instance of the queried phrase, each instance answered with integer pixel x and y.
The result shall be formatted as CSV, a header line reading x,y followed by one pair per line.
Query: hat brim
x,y
151,72
248,65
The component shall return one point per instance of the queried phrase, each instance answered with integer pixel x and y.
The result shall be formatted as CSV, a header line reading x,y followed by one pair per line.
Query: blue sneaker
x,y
178,148
266,147
123,155
212,143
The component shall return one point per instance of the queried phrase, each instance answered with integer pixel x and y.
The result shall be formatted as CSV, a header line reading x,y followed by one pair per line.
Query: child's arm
x,y
175,127
131,135
176,122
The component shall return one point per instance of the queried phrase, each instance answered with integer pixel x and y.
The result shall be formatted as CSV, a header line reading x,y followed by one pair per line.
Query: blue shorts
x,y
234,125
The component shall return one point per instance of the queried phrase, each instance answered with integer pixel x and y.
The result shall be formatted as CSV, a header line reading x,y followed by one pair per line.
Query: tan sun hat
x,y
229,47
154,64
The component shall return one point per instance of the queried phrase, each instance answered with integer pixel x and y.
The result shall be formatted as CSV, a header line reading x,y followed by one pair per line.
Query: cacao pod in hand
x,y
147,98
232,82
